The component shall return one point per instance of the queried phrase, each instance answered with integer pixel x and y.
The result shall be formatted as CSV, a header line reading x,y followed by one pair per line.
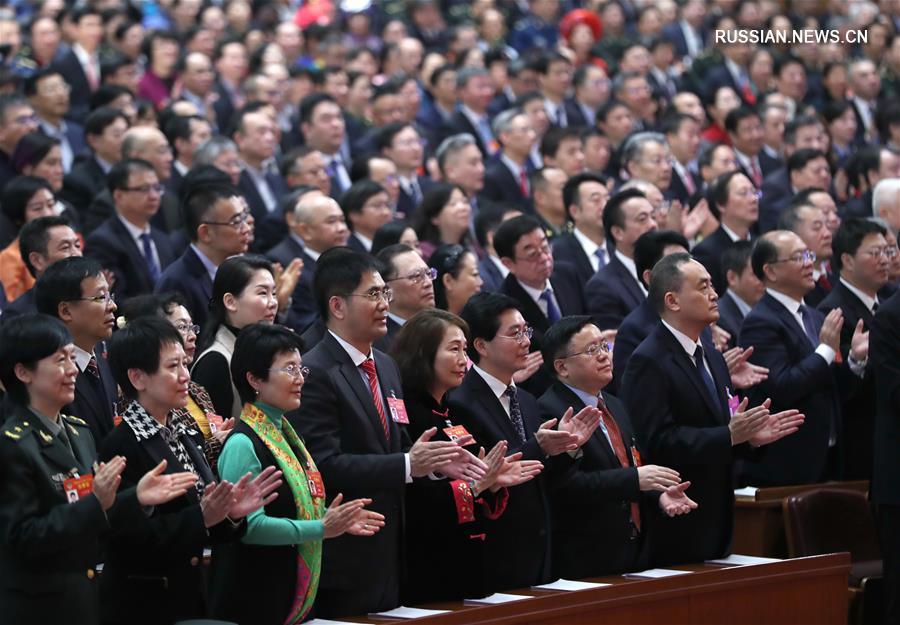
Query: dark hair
x,y
650,248
416,345
255,350
232,276
556,339
30,84
200,200
98,120
31,149
384,137
25,340
611,105
735,258
717,194
438,72
61,282
833,109
389,234
137,346
736,116
554,137
309,103
613,212
106,94
433,203
570,189
360,192
482,314
150,305
802,157
850,236
447,259
672,122
488,220
84,11
9,101
784,61
35,236
18,193
765,252
510,231
117,178
707,153
666,277
386,259
801,121
339,271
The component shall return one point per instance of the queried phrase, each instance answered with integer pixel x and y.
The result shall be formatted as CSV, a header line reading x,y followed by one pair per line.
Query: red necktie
x,y
615,437
756,173
523,182
368,366
92,368
689,182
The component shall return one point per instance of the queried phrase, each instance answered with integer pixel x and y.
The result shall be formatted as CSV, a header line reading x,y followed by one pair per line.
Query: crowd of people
x,y
419,300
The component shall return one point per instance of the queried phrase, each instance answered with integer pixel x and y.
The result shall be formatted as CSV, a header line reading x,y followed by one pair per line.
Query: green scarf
x,y
295,463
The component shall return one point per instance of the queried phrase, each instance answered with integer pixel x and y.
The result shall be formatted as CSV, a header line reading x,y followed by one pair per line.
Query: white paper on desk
x,y
497,597
323,621
747,491
404,612
568,585
739,560
657,573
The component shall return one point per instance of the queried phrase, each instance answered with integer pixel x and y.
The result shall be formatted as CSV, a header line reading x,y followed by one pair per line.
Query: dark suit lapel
x,y
598,440
489,402
788,320
197,268
134,254
565,297
628,281
690,370
527,306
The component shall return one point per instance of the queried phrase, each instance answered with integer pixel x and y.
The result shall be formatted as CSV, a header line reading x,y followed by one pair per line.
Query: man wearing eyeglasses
x,y
75,291
800,346
412,283
599,497
127,243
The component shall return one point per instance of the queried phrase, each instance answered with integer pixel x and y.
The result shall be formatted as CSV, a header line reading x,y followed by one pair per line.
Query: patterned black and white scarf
x,y
146,427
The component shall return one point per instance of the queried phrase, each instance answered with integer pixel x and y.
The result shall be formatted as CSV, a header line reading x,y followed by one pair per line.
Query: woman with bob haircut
x,y
56,503
277,562
443,218
458,277
152,573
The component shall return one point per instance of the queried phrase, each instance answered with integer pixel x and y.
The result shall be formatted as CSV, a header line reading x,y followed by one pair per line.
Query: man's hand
x,y
745,423
777,426
426,456
107,478
224,430
494,462
155,489
249,494
720,337
554,442
654,477
215,502
351,517
859,344
286,281
465,467
830,334
515,471
533,362
581,425
744,374
674,502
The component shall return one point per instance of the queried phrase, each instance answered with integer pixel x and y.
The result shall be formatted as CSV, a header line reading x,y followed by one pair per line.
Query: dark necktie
x,y
368,366
152,267
809,326
874,308
92,368
705,376
515,413
618,445
552,311
600,253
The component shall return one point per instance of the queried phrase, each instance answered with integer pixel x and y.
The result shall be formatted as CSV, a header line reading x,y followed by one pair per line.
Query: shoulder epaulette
x,y
74,420
16,431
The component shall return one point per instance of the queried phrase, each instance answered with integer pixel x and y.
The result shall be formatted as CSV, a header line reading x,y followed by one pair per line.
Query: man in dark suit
x,y
864,81
859,256
127,244
48,93
676,390
492,408
217,222
506,176
185,135
600,499
475,92
806,168
230,60
411,281
323,129
615,291
543,291
798,345
808,222
349,398
254,135
491,268
591,86
743,290
885,351
688,34
734,202
682,133
403,144
746,133
16,120
585,247
81,65
75,291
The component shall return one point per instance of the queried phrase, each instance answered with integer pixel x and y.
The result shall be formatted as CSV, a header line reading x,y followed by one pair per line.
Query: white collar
x,y
82,358
586,398
514,167
868,301
786,300
399,320
83,56
366,241
688,344
534,293
504,270
590,248
632,269
474,117
355,355
211,267
180,167
132,229
734,235
743,306
497,386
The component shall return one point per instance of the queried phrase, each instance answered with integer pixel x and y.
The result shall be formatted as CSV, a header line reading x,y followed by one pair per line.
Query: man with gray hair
x,y
886,202
221,153
646,156
634,91
461,163
475,91
506,178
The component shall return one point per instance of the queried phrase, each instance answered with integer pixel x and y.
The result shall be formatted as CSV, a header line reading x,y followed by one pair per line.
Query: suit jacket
x,y
501,186
82,184
384,343
821,289
224,108
798,378
95,399
634,329
682,427
458,124
188,276
591,496
113,247
303,310
858,403
884,356
248,189
50,546
490,274
406,204
709,252
80,94
776,186
678,190
567,249
768,164
344,434
167,218
518,553
612,293
22,305
674,33
730,318
574,114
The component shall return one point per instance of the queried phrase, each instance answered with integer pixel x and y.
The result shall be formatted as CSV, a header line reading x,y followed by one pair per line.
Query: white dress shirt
x,y
793,307
632,269
590,248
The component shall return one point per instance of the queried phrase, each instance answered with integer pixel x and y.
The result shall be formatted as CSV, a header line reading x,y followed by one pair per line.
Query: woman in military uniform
x,y
56,503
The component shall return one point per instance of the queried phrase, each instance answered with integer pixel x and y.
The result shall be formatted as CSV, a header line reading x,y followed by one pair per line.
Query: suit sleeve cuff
x,y
825,352
408,469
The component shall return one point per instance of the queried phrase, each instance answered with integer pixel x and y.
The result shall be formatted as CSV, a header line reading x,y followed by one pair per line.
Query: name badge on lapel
x,y
316,485
398,409
78,487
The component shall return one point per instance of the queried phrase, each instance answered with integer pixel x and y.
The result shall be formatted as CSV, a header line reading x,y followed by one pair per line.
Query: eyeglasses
x,y
877,252
535,255
417,277
103,298
592,350
806,256
519,337
187,328
292,370
235,222
377,295
145,189
749,193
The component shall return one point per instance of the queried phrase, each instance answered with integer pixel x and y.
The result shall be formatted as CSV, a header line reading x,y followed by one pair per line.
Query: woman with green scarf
x,y
272,574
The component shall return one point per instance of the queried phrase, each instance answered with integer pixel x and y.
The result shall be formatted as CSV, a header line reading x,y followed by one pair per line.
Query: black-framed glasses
x,y
519,337
293,370
187,328
235,222
535,255
376,295
144,189
806,256
430,273
591,351
103,298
